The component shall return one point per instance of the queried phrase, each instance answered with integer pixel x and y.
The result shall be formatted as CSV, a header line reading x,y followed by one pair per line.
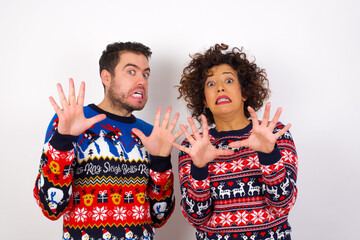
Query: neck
x,y
107,106
229,123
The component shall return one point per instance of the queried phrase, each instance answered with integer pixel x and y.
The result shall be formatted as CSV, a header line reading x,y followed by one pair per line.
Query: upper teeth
x,y
222,100
137,94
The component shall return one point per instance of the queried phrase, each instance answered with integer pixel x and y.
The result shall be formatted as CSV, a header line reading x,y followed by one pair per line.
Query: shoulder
x,y
89,110
279,126
143,125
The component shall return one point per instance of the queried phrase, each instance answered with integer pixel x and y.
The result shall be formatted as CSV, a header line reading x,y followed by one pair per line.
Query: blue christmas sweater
x,y
247,195
103,182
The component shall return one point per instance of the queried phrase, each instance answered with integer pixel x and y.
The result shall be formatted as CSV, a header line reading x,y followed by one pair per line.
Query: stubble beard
x,y
118,102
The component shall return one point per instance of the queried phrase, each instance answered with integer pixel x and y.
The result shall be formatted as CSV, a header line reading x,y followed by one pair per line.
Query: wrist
x,y
164,153
271,157
267,149
199,164
62,142
160,163
199,173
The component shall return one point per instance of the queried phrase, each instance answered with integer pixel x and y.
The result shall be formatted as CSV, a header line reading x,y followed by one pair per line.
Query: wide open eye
x,y
131,72
210,84
229,80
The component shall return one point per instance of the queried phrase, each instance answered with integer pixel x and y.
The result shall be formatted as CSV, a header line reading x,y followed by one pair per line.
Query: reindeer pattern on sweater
x,y
247,195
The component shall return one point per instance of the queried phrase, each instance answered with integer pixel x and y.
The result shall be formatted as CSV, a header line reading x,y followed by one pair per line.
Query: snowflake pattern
x,y
187,168
266,169
67,156
237,165
139,212
225,219
55,154
120,213
253,162
241,218
258,216
280,212
194,183
278,165
287,156
80,214
100,213
181,172
66,216
205,183
270,216
220,168
155,176
213,220
244,166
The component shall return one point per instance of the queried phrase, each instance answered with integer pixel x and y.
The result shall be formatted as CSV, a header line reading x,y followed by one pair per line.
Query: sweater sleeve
x,y
53,189
161,190
279,170
196,203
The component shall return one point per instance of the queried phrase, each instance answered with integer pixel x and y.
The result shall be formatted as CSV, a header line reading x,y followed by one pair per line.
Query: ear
x,y
105,77
243,95
205,103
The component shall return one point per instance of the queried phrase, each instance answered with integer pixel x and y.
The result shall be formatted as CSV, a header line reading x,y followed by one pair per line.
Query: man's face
x,y
128,88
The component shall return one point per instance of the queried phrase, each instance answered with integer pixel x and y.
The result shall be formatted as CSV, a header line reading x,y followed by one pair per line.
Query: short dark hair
x,y
111,55
253,80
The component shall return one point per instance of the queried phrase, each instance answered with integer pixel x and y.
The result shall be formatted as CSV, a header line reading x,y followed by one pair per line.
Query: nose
x,y
141,80
220,87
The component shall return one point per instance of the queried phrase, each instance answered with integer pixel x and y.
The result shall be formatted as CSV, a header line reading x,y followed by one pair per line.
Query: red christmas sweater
x,y
103,182
247,195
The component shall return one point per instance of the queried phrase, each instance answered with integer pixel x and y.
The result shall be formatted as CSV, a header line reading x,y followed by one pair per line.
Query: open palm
x,y
262,138
159,143
201,151
71,117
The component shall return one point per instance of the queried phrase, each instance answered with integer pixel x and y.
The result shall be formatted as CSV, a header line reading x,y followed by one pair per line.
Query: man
x,y
105,171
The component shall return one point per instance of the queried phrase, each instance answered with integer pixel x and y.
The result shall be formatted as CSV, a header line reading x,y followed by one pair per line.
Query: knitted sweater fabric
x,y
103,182
247,195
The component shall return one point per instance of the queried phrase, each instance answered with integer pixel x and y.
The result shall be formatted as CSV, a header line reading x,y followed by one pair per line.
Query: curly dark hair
x,y
253,80
111,55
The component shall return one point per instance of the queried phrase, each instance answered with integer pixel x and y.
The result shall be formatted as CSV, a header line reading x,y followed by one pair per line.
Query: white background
x,y
309,48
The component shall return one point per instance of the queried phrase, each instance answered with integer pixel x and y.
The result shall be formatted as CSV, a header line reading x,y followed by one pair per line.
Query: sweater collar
x,y
238,132
131,119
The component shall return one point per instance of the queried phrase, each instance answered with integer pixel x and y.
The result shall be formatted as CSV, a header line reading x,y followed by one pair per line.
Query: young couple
x,y
109,173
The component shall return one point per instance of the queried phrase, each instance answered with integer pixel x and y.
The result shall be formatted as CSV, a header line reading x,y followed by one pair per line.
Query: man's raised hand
x,y
71,117
160,141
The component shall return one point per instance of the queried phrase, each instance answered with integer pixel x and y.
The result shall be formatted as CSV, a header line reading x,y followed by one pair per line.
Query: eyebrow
x,y
212,74
135,66
229,73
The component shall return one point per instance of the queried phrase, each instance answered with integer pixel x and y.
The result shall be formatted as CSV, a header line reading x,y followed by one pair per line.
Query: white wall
x,y
309,48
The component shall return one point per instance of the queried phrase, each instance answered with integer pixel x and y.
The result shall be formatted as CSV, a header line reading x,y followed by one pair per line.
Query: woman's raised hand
x,y
262,138
71,117
201,151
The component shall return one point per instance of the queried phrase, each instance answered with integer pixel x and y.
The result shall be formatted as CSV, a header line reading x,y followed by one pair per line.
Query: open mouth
x,y
138,94
222,100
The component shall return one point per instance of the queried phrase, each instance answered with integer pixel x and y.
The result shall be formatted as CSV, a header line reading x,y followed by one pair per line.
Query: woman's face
x,y
223,91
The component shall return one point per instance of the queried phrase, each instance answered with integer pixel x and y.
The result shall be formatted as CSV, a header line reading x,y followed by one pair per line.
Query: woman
x,y
238,178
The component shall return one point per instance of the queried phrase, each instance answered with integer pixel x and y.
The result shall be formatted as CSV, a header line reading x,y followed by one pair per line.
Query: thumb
x,y
140,134
238,144
97,118
226,152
